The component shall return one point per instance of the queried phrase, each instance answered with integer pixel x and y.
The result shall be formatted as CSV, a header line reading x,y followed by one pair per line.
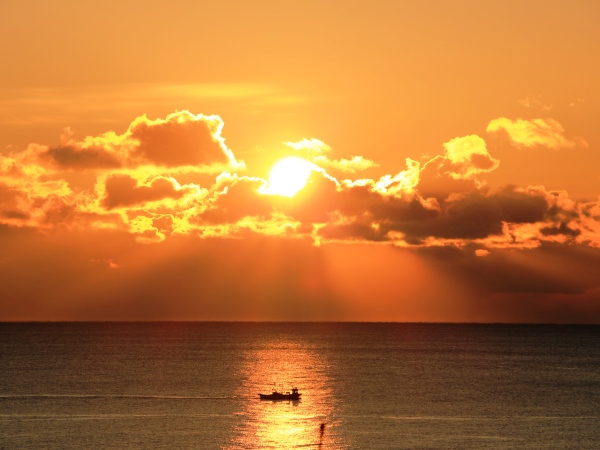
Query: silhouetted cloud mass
x,y
173,184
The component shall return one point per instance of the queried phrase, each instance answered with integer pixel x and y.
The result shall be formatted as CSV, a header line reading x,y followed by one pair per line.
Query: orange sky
x,y
451,161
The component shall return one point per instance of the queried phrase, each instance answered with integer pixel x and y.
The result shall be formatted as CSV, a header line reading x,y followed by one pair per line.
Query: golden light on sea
x,y
283,364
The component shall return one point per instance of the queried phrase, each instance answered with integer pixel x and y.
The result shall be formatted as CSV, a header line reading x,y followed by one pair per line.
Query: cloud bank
x,y
136,187
201,224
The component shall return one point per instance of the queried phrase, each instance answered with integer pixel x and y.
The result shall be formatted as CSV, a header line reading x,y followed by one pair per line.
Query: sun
x,y
289,175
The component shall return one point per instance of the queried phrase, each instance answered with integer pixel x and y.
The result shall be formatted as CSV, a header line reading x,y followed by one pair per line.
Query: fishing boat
x,y
276,395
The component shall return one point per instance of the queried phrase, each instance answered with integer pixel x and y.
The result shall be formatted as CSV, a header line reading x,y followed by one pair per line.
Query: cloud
x,y
311,147
535,102
510,217
173,184
355,164
135,184
468,156
235,198
182,139
459,170
124,190
78,182
316,151
15,207
534,133
27,198
404,181
75,158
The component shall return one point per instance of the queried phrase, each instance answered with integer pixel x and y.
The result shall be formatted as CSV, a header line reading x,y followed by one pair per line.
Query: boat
x,y
276,395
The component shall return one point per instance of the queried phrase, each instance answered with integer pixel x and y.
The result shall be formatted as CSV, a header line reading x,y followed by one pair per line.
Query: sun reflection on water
x,y
286,423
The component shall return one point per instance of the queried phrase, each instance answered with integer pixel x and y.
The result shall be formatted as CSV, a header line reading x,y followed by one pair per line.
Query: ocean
x,y
185,385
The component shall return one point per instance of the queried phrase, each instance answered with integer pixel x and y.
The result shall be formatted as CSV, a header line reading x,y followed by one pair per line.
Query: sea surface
x,y
372,385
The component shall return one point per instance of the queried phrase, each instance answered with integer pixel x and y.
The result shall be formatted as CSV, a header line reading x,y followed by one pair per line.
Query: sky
x,y
428,161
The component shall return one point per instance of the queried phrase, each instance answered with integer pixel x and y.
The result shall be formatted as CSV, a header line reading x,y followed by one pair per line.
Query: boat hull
x,y
279,396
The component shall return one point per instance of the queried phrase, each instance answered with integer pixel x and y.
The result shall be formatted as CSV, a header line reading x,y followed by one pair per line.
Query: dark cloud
x,y
442,202
372,215
483,163
549,268
238,200
435,180
76,157
179,141
352,231
562,229
520,206
11,203
57,211
470,216
123,190
477,214
138,243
